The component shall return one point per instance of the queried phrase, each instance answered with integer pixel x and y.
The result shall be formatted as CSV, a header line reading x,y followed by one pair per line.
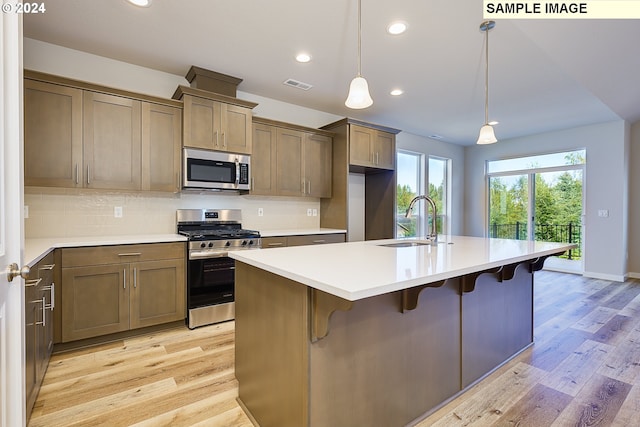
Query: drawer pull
x,y
320,241
130,254
33,282
275,244
47,267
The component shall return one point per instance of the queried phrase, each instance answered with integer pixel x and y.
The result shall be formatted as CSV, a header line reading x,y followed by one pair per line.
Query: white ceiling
x,y
544,74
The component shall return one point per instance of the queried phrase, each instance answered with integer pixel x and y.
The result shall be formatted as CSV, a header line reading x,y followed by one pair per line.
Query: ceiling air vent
x,y
297,84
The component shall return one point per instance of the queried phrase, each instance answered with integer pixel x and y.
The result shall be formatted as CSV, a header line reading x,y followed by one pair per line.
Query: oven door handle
x,y
206,254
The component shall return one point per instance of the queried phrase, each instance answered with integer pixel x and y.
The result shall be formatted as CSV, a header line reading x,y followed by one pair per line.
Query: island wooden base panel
x,y
583,370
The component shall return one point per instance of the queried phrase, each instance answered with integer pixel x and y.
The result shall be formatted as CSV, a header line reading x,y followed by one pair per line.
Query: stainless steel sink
x,y
405,244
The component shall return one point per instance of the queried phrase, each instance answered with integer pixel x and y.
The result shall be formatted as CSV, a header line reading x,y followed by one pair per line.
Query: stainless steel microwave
x,y
215,170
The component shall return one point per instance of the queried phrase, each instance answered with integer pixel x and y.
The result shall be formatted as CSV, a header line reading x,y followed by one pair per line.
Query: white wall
x,y
606,187
432,147
634,201
59,212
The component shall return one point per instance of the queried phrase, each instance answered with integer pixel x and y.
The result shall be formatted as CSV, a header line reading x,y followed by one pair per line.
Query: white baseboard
x,y
610,277
633,275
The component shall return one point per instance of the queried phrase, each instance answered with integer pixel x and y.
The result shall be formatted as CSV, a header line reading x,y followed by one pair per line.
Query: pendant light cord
x,y
486,76
359,37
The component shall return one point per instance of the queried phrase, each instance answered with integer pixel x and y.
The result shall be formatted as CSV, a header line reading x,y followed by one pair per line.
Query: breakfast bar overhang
x,y
378,333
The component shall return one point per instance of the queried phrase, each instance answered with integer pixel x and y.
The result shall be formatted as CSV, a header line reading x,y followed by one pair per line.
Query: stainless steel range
x,y
212,233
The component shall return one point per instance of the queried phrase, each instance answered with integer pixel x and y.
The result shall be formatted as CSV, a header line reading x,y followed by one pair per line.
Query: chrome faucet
x,y
433,235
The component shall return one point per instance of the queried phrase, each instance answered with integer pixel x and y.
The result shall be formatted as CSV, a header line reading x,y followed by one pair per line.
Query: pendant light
x,y
359,97
487,136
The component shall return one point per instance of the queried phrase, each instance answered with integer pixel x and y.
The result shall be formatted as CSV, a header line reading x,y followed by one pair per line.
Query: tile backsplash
x,y
71,213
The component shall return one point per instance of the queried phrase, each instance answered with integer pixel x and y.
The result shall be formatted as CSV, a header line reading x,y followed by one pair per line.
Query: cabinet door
x,y
201,121
236,129
161,141
384,150
158,292
289,162
112,142
95,301
32,313
317,165
52,135
360,145
263,160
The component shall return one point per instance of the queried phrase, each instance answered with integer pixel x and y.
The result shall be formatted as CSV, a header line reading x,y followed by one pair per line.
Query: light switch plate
x,y
309,212
117,211
26,211
260,212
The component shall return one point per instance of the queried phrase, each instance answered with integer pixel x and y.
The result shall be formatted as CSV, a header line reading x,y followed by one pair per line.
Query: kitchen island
x,y
378,333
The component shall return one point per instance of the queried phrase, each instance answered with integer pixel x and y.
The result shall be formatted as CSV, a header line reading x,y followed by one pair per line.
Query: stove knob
x,y
228,243
250,242
202,245
210,244
244,243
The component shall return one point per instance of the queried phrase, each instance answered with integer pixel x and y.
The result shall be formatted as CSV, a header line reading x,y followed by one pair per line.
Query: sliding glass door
x,y
539,198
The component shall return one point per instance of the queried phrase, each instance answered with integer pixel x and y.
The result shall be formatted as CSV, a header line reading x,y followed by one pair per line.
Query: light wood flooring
x,y
584,370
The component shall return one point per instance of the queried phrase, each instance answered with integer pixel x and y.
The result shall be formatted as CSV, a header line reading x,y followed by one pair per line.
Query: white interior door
x,y
12,388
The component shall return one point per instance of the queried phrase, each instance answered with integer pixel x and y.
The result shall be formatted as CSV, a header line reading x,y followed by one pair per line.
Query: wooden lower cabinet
x,y
301,240
39,306
113,297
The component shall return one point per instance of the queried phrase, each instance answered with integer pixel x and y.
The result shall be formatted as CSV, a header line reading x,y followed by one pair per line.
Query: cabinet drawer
x,y
315,239
274,242
99,255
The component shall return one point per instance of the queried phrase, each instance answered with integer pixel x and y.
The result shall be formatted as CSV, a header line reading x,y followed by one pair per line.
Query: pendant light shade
x,y
487,135
358,94
359,97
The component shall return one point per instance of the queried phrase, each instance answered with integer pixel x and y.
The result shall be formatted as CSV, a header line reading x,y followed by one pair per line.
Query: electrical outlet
x,y
603,213
26,211
260,212
315,212
309,212
117,211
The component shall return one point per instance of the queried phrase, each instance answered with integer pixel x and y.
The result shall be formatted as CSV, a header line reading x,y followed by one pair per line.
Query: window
x,y
412,181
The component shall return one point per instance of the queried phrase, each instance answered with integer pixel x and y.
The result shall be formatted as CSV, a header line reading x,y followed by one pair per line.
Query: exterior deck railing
x,y
562,233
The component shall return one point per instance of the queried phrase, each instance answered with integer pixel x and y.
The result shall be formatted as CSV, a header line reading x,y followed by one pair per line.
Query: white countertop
x,y
35,249
299,232
357,270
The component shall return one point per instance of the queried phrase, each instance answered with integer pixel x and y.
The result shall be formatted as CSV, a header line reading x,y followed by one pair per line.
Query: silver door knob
x,y
14,271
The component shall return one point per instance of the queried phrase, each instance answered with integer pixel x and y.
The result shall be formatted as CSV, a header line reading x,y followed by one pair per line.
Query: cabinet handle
x,y
77,175
309,191
130,254
47,267
252,184
51,295
135,278
216,133
377,158
33,282
124,278
224,140
304,187
44,314
88,174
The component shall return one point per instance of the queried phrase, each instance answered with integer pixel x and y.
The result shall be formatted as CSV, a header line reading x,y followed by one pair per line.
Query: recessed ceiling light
x,y
397,27
303,57
140,3
493,122
396,92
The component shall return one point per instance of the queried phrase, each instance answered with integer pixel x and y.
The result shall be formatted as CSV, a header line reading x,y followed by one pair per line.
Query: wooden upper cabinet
x,y
263,160
215,125
371,147
86,136
290,160
317,165
112,142
52,135
161,143
289,169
